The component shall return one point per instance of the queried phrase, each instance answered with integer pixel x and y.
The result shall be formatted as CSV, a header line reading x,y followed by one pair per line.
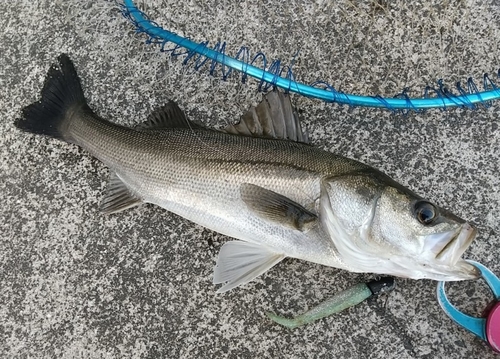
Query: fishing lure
x,y
277,75
486,328
343,300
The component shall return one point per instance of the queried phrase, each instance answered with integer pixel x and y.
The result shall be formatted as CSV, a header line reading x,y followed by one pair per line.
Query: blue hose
x,y
469,97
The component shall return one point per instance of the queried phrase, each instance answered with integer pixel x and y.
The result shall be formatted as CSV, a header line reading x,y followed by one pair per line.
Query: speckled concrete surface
x,y
77,284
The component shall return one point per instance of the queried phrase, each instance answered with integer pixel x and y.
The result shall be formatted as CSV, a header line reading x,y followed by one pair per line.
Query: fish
x,y
261,182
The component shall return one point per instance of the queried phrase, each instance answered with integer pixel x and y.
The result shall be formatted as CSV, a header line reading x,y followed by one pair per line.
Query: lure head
x,y
378,226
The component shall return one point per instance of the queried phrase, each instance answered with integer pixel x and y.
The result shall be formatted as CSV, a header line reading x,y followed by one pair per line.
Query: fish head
x,y
379,226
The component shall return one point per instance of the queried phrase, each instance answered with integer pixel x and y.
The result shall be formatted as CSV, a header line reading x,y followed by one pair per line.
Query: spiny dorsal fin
x,y
273,117
118,197
277,208
239,262
167,116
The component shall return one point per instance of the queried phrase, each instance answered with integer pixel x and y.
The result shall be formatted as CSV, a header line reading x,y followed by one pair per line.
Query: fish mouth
x,y
460,241
451,246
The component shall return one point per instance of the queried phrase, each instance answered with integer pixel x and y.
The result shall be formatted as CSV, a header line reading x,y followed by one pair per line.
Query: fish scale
x,y
197,174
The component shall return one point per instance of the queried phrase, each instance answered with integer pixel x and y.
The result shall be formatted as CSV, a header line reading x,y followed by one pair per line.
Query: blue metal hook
x,y
488,328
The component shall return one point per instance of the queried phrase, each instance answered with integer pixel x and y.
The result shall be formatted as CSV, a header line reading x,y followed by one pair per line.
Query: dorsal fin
x,y
167,116
273,117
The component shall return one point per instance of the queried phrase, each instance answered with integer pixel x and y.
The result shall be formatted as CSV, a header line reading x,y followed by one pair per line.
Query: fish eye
x,y
426,212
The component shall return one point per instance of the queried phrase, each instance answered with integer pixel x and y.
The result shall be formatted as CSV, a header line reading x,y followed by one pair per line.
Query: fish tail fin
x,y
62,97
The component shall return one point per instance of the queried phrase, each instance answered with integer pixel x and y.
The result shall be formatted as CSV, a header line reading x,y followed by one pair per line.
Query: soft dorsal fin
x,y
239,262
273,117
118,197
167,116
277,208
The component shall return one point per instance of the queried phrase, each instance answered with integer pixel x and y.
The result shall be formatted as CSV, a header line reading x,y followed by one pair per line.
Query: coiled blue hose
x,y
442,97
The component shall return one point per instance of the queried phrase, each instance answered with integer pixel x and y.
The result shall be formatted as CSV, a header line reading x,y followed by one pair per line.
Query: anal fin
x,y
118,197
239,262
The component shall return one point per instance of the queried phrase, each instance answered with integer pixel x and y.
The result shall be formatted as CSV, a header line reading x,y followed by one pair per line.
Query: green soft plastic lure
x,y
338,302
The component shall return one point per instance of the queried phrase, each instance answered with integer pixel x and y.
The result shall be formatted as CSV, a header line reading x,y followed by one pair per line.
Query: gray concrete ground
x,y
77,284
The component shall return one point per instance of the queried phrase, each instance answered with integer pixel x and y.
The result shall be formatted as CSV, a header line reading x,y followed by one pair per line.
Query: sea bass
x,y
260,182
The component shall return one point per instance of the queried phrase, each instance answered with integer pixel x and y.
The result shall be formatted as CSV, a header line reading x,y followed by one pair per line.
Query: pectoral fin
x,y
239,262
276,207
118,197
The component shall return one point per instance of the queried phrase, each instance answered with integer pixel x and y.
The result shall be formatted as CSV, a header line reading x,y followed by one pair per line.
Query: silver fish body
x,y
259,184
198,174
